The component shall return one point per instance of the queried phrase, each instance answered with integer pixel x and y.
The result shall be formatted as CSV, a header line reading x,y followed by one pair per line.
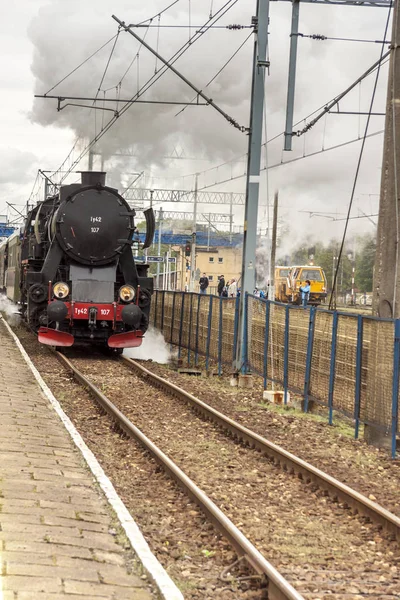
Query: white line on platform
x,y
153,567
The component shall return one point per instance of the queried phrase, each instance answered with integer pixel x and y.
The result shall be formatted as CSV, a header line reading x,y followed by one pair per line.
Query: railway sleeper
x,y
235,431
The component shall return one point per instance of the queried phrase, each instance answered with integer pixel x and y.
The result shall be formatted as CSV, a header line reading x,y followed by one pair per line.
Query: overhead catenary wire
x,y
159,13
219,72
115,38
158,42
190,17
364,139
232,27
323,38
135,58
102,79
211,9
375,67
304,120
33,187
151,81
126,72
82,63
282,164
108,62
358,217
169,65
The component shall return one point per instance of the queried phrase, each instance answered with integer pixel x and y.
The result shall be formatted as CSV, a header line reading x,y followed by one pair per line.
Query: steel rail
x,y
278,587
289,462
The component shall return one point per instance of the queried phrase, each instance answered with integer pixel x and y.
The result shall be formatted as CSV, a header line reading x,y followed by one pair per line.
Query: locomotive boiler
x,y
79,282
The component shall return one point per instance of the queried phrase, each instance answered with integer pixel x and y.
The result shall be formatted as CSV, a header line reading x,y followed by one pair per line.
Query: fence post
x,y
196,360
266,338
235,328
286,355
357,399
332,367
220,337
155,308
245,357
162,310
310,344
172,317
181,324
190,327
395,388
209,325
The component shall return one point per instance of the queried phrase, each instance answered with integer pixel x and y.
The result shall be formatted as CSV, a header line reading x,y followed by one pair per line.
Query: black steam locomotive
x,y
75,271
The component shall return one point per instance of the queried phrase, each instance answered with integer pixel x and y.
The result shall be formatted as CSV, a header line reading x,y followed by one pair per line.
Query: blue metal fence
x,y
345,362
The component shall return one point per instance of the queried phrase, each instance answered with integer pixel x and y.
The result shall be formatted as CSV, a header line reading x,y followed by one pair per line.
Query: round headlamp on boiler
x,y
61,290
127,293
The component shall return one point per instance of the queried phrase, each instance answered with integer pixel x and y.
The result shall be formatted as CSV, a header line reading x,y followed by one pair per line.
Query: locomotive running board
x,y
131,339
53,337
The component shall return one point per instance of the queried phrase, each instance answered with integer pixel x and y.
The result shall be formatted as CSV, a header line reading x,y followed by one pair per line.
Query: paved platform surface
x,y
57,533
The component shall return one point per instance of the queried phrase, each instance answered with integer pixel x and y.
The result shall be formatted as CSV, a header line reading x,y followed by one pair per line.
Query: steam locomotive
x,y
72,269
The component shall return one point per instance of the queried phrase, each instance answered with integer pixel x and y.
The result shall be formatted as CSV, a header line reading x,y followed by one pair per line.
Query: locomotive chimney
x,y
93,178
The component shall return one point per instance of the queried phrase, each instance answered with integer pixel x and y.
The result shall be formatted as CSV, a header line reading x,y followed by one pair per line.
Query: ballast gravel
x,y
187,545
294,525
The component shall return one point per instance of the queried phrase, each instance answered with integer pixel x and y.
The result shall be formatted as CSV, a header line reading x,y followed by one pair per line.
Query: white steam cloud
x,y
10,310
65,33
153,347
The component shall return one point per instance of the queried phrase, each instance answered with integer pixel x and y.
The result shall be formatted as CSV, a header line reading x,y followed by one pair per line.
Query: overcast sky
x,y
41,41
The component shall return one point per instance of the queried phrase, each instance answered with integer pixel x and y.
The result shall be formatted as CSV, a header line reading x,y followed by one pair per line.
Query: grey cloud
x,y
16,166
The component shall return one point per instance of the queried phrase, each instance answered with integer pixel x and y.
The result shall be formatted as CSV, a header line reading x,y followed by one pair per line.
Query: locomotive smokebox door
x,y
93,228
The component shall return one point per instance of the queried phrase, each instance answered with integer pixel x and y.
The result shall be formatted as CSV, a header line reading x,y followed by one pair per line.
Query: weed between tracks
x,y
340,426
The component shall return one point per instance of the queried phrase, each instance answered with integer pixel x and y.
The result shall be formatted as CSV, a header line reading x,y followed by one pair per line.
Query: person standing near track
x,y
221,285
305,292
232,290
203,282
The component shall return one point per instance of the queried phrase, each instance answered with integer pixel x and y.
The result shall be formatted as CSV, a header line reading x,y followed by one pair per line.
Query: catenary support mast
x,y
386,298
253,168
292,75
193,244
386,301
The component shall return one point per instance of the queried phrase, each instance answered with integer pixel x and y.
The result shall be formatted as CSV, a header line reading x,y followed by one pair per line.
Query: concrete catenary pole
x,y
160,220
271,294
253,168
193,246
386,299
294,36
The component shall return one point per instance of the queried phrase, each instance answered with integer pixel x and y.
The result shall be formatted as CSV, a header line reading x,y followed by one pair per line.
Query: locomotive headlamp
x,y
61,289
127,293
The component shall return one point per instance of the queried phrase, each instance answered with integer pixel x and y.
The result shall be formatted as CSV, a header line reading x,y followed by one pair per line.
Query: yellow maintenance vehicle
x,y
287,289
281,283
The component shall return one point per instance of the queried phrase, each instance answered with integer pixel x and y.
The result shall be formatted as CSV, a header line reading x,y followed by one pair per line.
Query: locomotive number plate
x,y
104,312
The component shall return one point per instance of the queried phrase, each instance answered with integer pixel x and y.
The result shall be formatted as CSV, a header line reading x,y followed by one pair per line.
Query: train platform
x,y
59,536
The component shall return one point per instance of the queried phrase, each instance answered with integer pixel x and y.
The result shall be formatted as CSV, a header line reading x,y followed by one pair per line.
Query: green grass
x,y
340,425
185,586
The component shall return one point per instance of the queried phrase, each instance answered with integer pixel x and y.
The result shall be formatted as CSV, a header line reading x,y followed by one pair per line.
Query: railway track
x,y
278,587
332,579
287,461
